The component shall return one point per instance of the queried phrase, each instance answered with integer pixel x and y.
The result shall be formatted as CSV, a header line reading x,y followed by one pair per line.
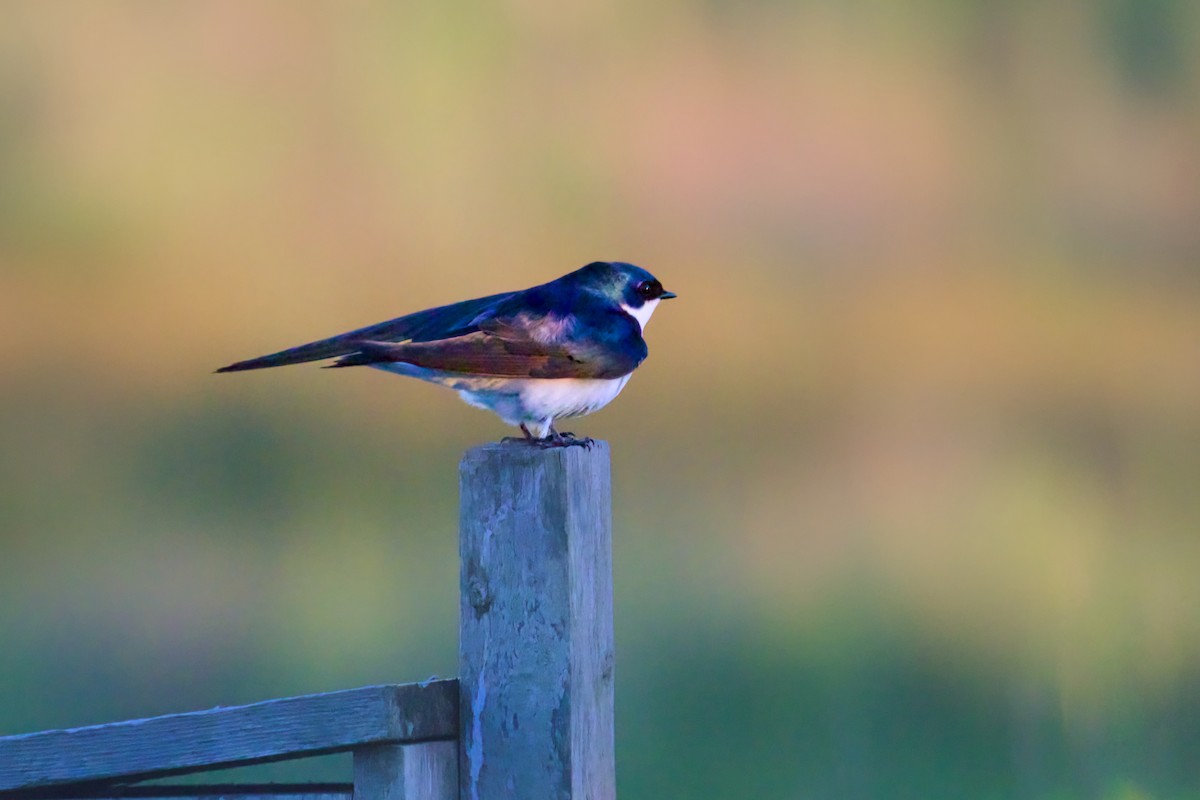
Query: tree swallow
x,y
562,349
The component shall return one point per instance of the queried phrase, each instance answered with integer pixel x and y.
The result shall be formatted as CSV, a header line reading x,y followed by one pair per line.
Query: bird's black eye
x,y
650,289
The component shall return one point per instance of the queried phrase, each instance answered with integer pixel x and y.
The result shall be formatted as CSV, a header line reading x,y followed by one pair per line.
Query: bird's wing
x,y
589,343
453,320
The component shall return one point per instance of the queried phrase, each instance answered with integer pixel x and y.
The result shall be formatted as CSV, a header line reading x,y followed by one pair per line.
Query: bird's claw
x,y
553,439
568,439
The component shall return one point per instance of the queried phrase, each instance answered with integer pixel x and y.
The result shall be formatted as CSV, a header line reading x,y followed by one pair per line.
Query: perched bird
x,y
562,349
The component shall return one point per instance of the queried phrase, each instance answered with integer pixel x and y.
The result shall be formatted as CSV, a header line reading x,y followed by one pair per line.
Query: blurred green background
x,y
906,498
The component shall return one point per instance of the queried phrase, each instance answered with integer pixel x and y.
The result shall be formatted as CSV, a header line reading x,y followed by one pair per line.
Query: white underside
x,y
538,403
533,402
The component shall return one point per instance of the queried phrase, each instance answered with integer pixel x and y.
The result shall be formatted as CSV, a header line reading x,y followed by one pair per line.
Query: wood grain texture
x,y
211,791
431,771
262,791
379,772
427,771
347,795
226,737
535,630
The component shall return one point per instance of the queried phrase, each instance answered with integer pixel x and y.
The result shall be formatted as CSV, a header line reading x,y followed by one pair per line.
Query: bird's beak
x,y
667,296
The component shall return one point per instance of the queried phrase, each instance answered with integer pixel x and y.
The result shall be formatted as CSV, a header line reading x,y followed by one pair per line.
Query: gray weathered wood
x,y
535,628
379,772
347,795
431,771
426,771
224,791
226,737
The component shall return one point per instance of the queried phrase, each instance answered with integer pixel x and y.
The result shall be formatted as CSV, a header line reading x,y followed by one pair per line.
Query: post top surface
x,y
522,452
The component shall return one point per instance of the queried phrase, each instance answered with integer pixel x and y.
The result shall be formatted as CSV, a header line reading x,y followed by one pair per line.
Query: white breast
x,y
569,397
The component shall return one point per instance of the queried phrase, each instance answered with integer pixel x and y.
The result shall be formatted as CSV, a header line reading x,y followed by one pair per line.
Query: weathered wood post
x,y
535,625
427,771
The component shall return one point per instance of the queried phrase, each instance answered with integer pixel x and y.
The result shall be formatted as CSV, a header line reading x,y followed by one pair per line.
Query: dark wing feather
x,y
443,322
594,343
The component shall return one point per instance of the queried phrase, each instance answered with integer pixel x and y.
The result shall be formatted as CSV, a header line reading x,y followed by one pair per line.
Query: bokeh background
x,y
907,495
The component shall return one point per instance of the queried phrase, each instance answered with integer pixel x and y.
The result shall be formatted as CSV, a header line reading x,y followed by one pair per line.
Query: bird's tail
x,y
433,323
314,351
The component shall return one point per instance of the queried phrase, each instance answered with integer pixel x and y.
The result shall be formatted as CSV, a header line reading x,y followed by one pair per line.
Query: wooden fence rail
x,y
531,716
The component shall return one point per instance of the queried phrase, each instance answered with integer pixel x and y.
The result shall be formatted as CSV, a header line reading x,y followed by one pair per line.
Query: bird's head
x,y
629,286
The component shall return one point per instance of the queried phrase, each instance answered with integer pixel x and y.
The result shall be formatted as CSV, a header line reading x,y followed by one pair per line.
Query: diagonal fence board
x,y
219,738
346,795
213,791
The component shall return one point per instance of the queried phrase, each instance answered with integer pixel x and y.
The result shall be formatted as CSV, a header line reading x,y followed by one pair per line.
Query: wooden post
x,y
535,625
427,771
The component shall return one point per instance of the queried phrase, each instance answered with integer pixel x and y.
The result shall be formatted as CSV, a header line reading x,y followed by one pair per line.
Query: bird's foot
x,y
554,439
566,439
527,438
